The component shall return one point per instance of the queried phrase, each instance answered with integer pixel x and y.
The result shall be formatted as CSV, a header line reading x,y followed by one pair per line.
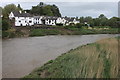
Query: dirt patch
x,y
44,74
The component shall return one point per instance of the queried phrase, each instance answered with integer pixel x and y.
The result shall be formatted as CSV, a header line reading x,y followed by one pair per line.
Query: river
x,y
22,55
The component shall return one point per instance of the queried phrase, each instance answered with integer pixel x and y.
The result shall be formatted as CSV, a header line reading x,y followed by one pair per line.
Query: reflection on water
x,y
22,55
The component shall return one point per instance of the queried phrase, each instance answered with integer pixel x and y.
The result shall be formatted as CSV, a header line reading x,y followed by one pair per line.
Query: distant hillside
x,y
45,9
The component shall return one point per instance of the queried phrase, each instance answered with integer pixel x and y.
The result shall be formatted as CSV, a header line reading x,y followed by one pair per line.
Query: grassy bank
x,y
15,32
96,60
72,31
55,30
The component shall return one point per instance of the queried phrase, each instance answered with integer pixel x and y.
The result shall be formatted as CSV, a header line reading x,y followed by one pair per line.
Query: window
x,y
30,21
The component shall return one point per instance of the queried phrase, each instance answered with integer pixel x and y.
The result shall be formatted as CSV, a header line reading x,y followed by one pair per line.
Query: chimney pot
x,y
20,11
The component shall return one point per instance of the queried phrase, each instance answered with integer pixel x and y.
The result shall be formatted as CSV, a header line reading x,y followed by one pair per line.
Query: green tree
x,y
48,10
5,24
113,22
55,10
96,22
0,18
89,20
102,16
82,20
103,20
1,10
79,25
9,8
19,7
41,4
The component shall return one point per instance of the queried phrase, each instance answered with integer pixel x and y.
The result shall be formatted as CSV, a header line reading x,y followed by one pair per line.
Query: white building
x,y
38,20
26,19
22,19
61,20
49,20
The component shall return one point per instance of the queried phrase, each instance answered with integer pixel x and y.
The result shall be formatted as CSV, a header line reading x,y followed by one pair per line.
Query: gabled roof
x,y
18,14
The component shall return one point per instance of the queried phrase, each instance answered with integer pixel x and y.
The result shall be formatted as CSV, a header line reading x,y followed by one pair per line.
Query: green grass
x,y
43,32
96,60
58,30
11,34
71,31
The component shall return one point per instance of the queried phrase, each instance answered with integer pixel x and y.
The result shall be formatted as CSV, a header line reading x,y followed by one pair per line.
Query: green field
x,y
95,60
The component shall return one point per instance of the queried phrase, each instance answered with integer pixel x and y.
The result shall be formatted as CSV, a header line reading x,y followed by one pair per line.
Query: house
x,y
21,19
25,19
49,20
61,20
71,20
38,20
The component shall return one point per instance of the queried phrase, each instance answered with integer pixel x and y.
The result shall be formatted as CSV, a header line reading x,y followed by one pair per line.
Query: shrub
x,y
5,24
5,34
79,25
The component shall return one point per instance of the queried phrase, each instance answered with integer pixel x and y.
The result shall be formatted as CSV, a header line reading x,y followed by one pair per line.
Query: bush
x,y
5,24
79,25
5,34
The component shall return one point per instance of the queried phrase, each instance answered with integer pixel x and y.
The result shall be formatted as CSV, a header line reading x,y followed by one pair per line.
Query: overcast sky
x,y
75,8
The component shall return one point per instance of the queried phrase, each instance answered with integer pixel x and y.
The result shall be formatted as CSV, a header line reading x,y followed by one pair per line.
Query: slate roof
x,y
69,19
36,16
49,17
18,14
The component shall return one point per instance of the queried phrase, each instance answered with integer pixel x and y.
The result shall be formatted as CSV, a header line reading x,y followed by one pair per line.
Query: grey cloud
x,y
79,9
93,9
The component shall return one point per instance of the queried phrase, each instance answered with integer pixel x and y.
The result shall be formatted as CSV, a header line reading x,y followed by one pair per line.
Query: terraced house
x,y
25,19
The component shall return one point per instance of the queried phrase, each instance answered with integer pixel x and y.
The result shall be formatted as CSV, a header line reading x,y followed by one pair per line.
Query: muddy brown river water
x,y
22,55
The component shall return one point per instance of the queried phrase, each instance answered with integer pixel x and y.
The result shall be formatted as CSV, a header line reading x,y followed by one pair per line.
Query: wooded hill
x,y
45,9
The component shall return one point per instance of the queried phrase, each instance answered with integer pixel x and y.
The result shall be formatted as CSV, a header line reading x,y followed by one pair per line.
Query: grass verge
x,y
96,60
71,31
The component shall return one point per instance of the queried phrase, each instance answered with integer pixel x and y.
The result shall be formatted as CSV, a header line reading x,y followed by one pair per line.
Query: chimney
x,y
25,12
20,11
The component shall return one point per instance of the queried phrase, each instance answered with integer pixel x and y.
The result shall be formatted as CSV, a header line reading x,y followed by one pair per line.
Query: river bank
x,y
21,55
95,60
44,31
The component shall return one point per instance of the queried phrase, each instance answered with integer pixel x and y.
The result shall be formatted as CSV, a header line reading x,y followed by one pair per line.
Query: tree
x,y
0,18
102,16
113,22
103,20
9,8
89,20
41,4
55,10
1,10
19,7
96,22
48,10
5,24
79,25
82,20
